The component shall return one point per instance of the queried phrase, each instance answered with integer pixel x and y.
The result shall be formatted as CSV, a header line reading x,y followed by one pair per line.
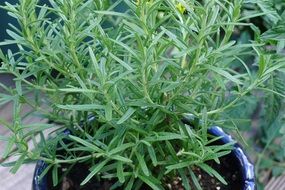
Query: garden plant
x,y
131,88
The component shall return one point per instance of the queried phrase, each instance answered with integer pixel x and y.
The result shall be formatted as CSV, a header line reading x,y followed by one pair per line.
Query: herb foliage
x,y
139,71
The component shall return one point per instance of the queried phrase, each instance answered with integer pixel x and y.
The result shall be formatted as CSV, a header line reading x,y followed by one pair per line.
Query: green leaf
x,y
204,123
121,158
185,179
152,155
85,143
94,171
120,172
179,165
151,181
126,116
276,33
126,47
134,27
212,172
224,73
124,64
83,107
165,136
273,103
156,77
175,39
130,183
225,46
18,163
94,61
171,151
112,13
263,62
77,90
35,128
9,147
82,84
142,164
15,36
121,148
267,8
8,42
43,174
195,180
55,175
170,87
108,111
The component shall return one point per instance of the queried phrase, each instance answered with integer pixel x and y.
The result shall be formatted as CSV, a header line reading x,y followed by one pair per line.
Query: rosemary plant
x,y
139,71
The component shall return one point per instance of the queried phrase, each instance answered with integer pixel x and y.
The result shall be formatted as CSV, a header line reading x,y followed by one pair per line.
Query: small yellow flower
x,y
181,8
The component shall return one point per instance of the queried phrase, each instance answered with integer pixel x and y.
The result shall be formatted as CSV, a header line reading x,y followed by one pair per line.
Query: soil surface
x,y
228,169
74,177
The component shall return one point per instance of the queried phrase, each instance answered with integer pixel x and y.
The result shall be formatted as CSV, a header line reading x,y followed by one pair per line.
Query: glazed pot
x,y
242,161
238,156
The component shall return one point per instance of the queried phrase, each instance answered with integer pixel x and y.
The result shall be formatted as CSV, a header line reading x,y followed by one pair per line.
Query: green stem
x,y
58,161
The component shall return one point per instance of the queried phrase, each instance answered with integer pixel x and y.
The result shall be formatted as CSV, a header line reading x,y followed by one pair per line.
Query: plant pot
x,y
237,156
242,161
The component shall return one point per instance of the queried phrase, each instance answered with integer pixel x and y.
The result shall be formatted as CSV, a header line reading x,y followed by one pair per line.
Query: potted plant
x,y
132,94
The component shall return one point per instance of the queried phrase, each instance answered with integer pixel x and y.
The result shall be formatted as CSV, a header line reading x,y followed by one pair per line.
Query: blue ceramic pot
x,y
246,168
242,162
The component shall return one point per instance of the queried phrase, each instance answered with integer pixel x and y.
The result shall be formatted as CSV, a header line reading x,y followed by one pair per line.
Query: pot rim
x,y
247,168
